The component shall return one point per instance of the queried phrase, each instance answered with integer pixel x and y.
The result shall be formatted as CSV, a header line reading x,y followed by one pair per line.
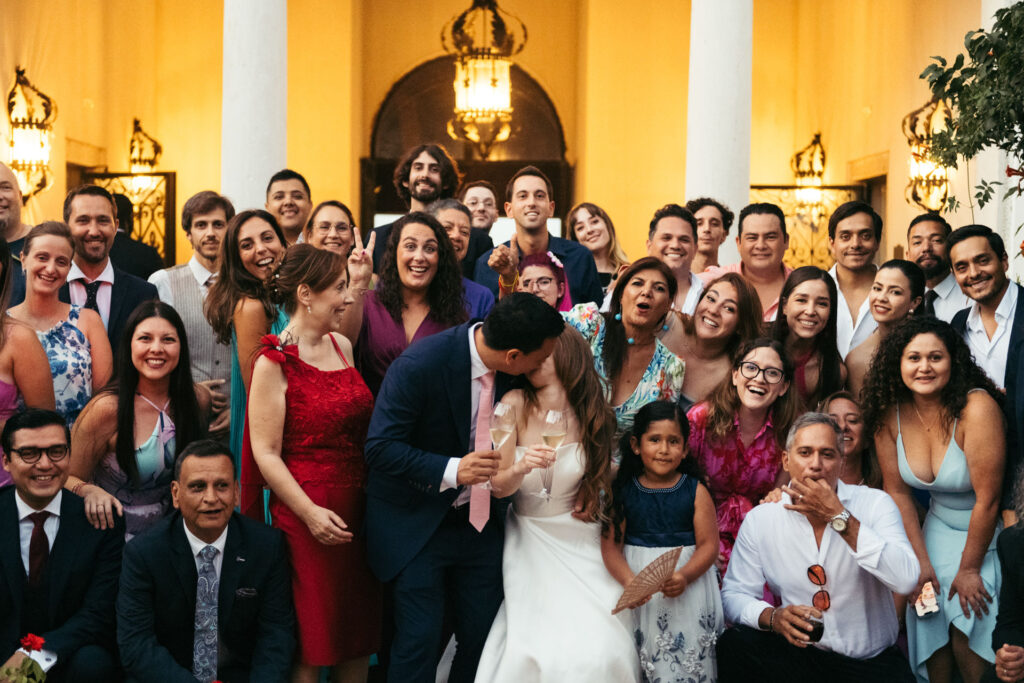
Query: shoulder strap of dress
x,y
338,349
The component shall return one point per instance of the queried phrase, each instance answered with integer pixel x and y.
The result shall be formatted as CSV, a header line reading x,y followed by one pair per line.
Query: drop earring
x,y
308,309
618,316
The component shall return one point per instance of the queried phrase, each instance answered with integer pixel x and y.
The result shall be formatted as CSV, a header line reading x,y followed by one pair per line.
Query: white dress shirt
x,y
76,289
162,281
477,370
45,658
851,333
198,544
990,354
951,298
777,546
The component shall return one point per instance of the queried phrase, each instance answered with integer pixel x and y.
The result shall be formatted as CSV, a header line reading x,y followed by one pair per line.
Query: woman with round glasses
x,y
331,227
542,274
738,434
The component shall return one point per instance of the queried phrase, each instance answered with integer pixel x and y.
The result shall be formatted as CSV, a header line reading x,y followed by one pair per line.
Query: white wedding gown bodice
x,y
556,623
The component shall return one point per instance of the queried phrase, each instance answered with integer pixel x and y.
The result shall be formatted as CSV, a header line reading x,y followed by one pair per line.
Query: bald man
x,y
14,230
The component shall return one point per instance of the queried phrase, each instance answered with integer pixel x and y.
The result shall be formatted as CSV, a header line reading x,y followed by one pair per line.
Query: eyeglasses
x,y
31,454
751,370
821,599
326,228
540,282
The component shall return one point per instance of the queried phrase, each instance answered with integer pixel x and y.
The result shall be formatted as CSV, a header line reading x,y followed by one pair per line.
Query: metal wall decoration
x,y
928,185
808,241
154,203
31,115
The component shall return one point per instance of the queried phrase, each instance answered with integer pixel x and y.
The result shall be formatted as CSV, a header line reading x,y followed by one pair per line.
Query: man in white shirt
x,y
854,233
835,554
204,218
58,574
926,246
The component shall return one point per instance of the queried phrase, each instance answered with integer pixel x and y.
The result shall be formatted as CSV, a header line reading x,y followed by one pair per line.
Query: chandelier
x,y
31,114
808,166
483,39
929,182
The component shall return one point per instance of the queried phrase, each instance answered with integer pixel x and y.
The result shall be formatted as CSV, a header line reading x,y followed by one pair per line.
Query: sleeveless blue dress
x,y
945,535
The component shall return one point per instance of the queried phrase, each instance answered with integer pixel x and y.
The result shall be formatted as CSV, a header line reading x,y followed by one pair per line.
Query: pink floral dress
x,y
738,477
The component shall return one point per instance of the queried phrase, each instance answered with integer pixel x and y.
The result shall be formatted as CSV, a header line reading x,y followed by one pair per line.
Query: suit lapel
x,y
1016,337
183,560
116,302
10,546
459,397
62,555
64,294
230,571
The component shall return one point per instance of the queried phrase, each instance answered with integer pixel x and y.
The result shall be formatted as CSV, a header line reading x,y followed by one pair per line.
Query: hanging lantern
x,y
809,168
31,115
483,39
929,181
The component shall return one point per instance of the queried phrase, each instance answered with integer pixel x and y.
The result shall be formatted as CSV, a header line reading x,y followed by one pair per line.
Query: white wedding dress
x,y
556,623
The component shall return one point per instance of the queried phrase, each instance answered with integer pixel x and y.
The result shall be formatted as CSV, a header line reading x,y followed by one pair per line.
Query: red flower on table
x,y
32,642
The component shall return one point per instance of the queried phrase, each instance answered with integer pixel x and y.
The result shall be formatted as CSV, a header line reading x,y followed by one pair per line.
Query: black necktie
x,y
929,302
38,548
91,289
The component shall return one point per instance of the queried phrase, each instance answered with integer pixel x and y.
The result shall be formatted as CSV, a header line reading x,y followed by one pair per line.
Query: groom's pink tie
x,y
480,498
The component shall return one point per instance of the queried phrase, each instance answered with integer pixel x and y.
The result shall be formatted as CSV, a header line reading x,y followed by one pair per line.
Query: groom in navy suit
x,y
423,508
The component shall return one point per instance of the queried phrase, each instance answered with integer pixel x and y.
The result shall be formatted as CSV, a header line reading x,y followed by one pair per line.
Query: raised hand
x,y
360,260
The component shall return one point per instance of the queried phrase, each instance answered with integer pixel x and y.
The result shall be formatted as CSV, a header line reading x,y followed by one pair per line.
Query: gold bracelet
x,y
510,287
771,620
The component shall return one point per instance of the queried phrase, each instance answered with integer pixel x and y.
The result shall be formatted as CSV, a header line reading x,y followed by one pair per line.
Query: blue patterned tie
x,y
204,644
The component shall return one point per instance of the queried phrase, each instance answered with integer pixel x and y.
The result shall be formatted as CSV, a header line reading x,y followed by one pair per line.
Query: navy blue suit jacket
x,y
1013,405
420,420
126,293
584,283
81,574
255,615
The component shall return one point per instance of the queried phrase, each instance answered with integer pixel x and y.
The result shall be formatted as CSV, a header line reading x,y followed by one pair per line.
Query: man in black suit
x,y
94,281
58,574
206,593
430,528
127,253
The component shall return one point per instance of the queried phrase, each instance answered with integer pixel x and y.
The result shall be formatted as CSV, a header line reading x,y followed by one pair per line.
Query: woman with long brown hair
x,y
738,433
591,226
554,576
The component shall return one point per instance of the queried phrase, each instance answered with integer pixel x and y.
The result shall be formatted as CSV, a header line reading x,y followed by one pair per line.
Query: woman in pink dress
x,y
738,434
309,410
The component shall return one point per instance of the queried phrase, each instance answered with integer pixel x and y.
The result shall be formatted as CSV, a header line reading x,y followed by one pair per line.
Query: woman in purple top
x,y
419,294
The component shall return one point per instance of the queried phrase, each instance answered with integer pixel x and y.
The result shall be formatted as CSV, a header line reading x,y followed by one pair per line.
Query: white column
x,y
718,106
254,110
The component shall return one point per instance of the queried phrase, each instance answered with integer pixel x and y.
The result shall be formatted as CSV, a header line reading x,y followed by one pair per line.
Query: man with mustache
x,y
926,246
854,233
205,219
290,202
425,174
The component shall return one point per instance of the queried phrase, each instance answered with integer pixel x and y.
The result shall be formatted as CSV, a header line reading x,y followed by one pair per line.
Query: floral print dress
x,y
663,379
70,357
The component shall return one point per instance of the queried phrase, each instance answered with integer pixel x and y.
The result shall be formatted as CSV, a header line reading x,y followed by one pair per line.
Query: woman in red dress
x,y
308,414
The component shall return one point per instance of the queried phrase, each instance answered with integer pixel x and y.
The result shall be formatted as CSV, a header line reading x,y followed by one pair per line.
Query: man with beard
x,y
290,202
425,174
205,219
93,281
993,327
926,240
854,233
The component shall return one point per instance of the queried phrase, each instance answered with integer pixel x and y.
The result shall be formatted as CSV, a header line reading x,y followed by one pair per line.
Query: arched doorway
x,y
416,110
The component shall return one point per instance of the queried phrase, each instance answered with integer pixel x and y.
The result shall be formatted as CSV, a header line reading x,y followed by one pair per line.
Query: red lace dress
x,y
337,599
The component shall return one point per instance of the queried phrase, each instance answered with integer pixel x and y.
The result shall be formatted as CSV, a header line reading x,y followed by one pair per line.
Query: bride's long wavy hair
x,y
585,390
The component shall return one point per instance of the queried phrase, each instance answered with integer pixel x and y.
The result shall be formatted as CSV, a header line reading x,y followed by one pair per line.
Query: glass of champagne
x,y
503,423
553,434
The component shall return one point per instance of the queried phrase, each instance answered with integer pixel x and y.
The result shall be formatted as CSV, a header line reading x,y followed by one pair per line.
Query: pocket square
x,y
246,593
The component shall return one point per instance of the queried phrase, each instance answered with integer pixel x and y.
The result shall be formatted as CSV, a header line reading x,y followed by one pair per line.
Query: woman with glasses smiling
x,y
542,274
331,227
738,434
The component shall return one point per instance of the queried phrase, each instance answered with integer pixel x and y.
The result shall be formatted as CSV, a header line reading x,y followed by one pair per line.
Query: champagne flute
x,y
555,426
502,424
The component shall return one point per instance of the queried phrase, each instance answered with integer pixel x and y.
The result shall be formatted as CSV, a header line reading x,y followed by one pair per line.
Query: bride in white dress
x,y
556,623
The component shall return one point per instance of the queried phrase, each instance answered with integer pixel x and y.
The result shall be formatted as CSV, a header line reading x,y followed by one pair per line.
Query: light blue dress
x,y
239,399
70,357
945,535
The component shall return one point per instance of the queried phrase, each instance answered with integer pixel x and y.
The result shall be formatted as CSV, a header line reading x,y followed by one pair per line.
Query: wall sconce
x,y
808,166
31,114
143,154
483,39
929,182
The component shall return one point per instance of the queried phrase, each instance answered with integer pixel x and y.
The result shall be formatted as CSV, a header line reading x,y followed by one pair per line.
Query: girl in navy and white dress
x,y
659,503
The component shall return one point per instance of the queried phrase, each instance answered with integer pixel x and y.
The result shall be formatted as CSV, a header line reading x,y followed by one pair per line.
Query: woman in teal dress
x,y
124,444
239,307
627,352
939,428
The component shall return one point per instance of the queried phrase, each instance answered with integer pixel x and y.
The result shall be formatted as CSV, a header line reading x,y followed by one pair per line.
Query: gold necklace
x,y
927,427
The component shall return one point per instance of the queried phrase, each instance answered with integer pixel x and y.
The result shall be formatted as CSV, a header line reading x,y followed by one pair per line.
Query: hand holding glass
x,y
503,423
